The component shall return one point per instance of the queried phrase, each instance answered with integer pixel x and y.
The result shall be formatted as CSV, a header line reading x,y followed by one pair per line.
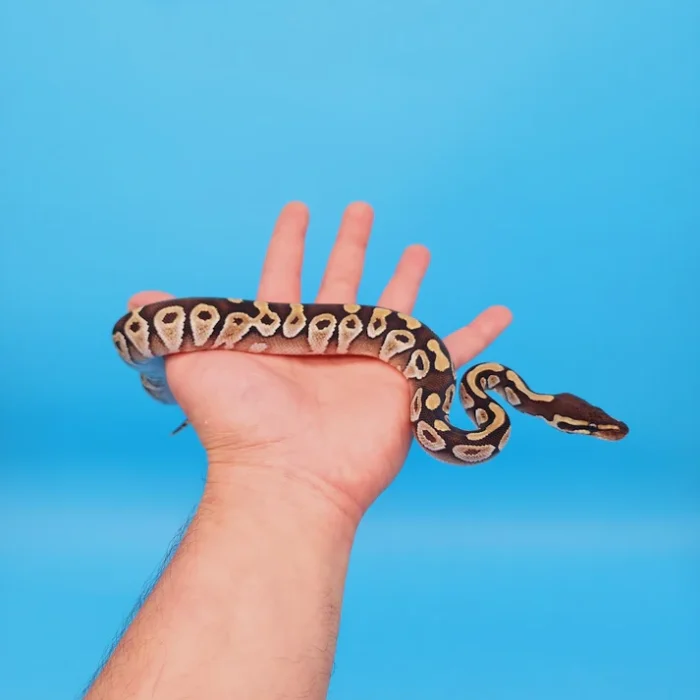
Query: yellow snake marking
x,y
411,323
395,343
512,398
493,381
520,384
236,326
498,420
481,416
203,319
442,362
136,330
352,308
471,382
348,329
504,439
449,395
321,329
377,323
235,301
433,401
122,347
434,441
478,389
268,322
465,397
418,366
579,431
295,322
416,404
473,453
258,347
608,427
490,367
572,421
441,426
170,326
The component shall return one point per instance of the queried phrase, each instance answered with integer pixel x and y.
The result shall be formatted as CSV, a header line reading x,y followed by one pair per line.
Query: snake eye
x,y
592,427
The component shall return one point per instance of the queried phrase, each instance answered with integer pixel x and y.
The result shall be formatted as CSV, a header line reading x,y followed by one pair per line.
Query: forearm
x,y
249,606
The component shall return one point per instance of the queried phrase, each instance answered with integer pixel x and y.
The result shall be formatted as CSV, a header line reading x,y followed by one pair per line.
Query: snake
x,y
145,336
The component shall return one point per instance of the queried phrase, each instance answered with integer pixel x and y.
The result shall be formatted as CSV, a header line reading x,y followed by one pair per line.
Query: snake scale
x,y
146,335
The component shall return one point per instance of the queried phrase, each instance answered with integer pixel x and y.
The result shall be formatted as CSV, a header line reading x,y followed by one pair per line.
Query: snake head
x,y
576,415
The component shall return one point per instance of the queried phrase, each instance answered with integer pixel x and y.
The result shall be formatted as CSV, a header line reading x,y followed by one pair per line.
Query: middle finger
x,y
344,270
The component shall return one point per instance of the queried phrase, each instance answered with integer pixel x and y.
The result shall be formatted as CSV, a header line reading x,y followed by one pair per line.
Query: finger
x,y
344,270
402,290
467,342
143,298
281,274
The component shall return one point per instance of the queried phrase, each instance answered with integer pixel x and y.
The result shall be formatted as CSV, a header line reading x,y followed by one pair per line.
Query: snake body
x,y
146,335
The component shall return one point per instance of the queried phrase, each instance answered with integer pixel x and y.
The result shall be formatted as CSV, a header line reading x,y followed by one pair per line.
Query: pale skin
x,y
297,450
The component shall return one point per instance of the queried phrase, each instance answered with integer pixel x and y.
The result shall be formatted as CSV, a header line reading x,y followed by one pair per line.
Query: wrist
x,y
289,495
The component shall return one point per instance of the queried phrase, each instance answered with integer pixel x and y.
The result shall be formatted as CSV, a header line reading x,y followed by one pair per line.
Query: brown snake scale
x,y
146,335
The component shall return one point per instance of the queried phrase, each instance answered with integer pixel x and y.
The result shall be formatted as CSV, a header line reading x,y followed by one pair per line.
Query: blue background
x,y
546,152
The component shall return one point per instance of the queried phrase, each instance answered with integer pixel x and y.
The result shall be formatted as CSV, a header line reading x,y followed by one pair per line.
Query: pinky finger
x,y
467,342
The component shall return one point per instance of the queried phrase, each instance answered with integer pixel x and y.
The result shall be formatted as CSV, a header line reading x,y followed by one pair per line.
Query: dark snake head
x,y
576,415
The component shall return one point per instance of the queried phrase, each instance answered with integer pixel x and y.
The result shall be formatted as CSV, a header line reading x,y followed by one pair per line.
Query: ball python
x,y
146,335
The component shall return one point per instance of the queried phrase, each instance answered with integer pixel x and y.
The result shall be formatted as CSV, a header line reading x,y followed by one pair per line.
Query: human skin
x,y
297,451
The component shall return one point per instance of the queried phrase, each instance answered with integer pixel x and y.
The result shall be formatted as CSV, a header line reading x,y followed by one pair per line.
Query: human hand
x,y
336,424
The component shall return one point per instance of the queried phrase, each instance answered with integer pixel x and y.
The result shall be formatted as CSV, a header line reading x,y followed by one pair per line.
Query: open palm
x,y
341,421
